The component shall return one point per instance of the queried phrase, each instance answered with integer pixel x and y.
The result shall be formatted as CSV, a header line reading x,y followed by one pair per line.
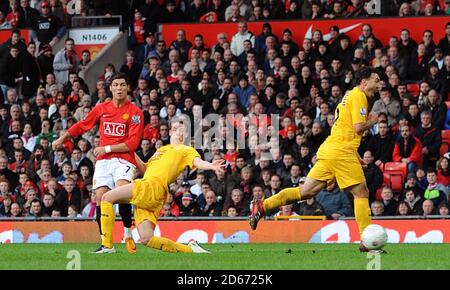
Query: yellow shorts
x,y
148,199
347,172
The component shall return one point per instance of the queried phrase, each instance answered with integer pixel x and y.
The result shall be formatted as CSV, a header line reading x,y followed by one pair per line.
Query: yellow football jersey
x,y
169,162
343,141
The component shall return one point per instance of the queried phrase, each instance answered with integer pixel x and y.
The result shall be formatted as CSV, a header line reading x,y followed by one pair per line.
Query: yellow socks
x,y
284,197
167,245
107,223
362,213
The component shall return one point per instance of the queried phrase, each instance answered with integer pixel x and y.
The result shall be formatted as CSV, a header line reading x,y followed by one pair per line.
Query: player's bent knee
x,y
360,191
107,198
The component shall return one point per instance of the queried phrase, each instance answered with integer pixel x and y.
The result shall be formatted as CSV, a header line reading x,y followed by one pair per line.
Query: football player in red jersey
x,y
121,126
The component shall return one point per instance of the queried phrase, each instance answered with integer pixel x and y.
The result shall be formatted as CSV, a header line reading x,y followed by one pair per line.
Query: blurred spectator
x,y
4,23
48,204
435,191
5,206
310,207
414,201
47,28
377,208
286,211
69,195
212,207
387,105
131,69
444,208
36,208
389,203
408,149
430,138
72,212
85,59
411,183
65,62
382,145
172,13
428,208
444,42
403,209
433,103
31,72
16,210
443,171
335,202
373,174
188,206
237,42
11,67
236,200
27,15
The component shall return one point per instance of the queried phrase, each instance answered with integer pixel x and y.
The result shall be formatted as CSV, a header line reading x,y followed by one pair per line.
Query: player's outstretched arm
x,y
79,128
216,165
58,142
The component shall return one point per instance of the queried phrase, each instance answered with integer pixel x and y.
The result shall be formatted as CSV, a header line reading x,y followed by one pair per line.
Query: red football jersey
x,y
116,125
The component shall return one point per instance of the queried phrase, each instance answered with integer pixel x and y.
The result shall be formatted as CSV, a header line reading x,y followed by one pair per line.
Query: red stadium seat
x,y
386,179
445,146
445,134
378,194
396,167
381,166
397,183
395,175
413,89
394,180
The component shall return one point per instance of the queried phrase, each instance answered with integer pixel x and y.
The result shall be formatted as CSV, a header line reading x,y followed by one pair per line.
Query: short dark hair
x,y
118,76
35,200
364,74
257,185
427,30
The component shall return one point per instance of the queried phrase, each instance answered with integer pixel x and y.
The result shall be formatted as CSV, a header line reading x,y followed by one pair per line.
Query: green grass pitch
x,y
227,256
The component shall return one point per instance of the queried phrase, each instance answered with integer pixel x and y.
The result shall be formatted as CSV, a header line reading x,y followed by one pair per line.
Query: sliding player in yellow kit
x,y
149,193
337,157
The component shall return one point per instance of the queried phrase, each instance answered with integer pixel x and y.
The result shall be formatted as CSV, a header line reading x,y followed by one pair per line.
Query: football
x,y
374,237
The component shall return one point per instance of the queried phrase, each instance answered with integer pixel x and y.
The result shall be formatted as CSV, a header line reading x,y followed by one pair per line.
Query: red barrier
x,y
399,231
383,28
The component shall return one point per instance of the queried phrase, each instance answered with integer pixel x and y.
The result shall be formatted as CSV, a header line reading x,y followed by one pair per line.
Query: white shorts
x,y
108,171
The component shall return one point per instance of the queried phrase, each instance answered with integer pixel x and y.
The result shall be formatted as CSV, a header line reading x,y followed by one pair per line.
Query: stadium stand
x,y
261,68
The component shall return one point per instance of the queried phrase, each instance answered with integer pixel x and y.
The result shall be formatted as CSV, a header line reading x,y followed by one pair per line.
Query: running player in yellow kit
x,y
149,193
337,157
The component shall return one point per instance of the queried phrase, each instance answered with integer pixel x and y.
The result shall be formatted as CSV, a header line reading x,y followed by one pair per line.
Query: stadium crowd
x,y
251,73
